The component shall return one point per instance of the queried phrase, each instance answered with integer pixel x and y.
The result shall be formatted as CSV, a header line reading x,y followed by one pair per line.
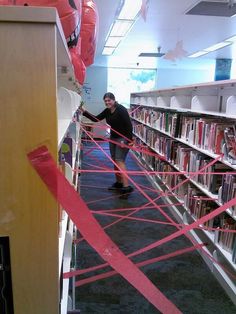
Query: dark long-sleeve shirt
x,y
119,121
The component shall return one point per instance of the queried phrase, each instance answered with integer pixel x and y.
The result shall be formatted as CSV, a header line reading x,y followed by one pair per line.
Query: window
x,y
122,82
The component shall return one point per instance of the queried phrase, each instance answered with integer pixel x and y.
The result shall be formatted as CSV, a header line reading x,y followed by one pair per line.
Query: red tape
x,y
106,213
187,228
152,201
80,214
163,194
140,264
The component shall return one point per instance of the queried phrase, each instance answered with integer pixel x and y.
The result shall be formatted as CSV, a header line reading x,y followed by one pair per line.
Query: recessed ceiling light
x,y
107,51
130,9
217,46
120,28
113,41
198,54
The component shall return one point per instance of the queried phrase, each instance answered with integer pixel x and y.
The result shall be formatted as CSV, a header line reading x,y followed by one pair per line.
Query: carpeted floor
x,y
185,279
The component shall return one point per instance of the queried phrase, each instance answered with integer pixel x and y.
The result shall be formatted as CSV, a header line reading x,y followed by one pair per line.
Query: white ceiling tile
x,y
165,25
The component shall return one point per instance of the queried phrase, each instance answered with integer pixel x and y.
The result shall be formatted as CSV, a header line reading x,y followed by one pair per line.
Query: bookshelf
x,y
39,98
190,127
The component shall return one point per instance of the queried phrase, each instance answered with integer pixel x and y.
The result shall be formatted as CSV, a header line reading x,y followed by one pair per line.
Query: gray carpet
x,y
185,280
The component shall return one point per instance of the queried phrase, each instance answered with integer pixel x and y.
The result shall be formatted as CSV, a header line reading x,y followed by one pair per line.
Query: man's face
x,y
110,103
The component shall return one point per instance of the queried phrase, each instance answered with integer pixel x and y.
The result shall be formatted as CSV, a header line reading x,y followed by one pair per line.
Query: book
x,y
219,139
230,144
234,251
215,181
226,239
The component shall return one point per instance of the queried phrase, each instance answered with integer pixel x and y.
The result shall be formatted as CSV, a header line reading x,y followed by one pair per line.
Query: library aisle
x,y
185,280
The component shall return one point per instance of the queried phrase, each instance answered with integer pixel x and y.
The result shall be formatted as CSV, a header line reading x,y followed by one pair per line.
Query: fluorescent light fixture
x,y
120,28
198,54
130,9
217,46
231,39
113,41
108,51
126,18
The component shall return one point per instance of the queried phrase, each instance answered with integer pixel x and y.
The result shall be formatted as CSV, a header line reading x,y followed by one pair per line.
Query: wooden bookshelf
x,y
214,197
215,101
38,97
203,151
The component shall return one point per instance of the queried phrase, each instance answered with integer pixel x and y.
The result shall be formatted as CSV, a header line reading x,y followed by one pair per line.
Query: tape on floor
x,y
78,211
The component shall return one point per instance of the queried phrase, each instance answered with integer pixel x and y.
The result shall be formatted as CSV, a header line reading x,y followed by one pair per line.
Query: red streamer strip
x,y
167,239
134,208
140,264
147,152
79,272
135,218
78,211
106,213
187,228
133,182
141,173
107,127
94,166
145,188
152,201
133,111
172,190
141,191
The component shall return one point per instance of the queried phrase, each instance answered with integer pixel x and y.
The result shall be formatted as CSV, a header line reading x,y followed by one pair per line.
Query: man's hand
x,y
131,143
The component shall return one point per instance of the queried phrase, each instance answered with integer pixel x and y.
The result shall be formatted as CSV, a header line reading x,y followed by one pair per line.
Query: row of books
x,y
204,133
225,239
228,190
201,168
195,202
210,134
162,120
185,158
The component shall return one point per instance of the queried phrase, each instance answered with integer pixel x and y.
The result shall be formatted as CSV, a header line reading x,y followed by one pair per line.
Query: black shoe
x,y
125,191
116,186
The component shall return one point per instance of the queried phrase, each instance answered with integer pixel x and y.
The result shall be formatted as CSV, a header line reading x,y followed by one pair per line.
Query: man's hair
x,y
109,95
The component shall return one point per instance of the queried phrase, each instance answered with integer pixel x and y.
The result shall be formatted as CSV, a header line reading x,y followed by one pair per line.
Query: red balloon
x,y
79,66
69,12
89,31
89,12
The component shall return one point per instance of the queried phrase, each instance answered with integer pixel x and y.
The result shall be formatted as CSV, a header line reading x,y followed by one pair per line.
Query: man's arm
x,y
93,118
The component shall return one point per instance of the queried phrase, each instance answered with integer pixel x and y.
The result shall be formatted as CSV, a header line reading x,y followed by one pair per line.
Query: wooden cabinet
x,y
34,64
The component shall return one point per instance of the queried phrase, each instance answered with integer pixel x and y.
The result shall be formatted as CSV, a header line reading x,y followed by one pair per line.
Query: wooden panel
x,y
28,14
28,213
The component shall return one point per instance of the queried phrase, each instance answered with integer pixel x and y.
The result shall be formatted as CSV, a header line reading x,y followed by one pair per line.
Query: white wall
x,y
96,81
177,77
96,86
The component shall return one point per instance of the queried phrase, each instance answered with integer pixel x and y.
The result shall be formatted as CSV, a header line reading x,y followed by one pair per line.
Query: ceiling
x,y
165,25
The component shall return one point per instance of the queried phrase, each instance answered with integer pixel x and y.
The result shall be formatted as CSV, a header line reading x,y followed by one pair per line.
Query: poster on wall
x,y
87,90
223,69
